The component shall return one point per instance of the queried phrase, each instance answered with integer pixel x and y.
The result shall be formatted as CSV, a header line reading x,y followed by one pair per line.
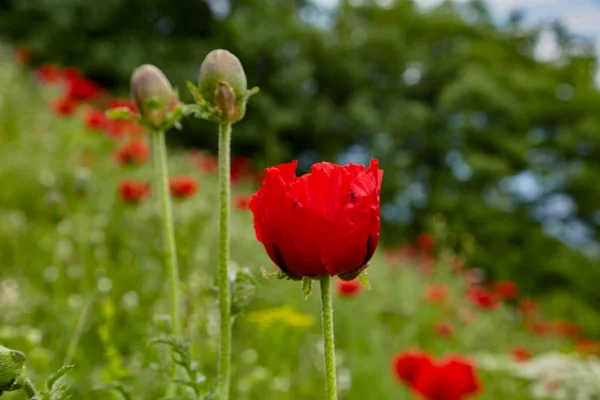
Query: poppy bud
x,y
153,94
223,84
11,366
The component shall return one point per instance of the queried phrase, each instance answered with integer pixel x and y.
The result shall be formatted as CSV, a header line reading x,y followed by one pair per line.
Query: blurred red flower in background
x,y
521,354
588,347
567,329
425,241
132,191
324,222
70,74
539,327
82,89
123,103
444,329
242,202
95,119
117,128
64,106
205,162
240,167
407,365
348,288
452,379
506,290
436,293
482,298
134,152
182,187
22,55
528,307
48,73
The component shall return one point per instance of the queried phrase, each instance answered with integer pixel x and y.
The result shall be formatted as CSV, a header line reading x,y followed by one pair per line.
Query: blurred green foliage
x,y
468,125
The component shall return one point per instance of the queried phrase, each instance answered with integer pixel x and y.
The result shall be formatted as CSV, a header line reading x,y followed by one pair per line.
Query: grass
x,y
82,281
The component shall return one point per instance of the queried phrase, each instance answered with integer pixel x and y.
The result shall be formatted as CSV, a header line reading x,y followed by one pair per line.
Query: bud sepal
x,y
221,95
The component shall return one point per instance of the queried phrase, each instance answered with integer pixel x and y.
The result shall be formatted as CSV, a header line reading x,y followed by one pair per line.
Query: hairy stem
x,y
223,273
159,153
328,337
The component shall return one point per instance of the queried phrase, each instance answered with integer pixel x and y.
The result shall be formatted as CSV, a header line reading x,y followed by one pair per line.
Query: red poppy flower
x,y
436,294
482,298
521,354
425,241
82,89
444,329
205,162
408,365
71,73
506,290
240,167
22,55
348,288
528,307
539,327
48,73
95,119
567,329
64,106
324,222
242,202
453,379
117,128
588,347
133,192
123,103
182,187
132,153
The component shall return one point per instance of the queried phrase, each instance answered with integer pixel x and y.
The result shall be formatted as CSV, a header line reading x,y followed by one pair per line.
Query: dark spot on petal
x,y
352,196
296,204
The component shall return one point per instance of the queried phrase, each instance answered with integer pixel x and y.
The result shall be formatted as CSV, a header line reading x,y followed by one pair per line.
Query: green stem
x,y
223,274
159,152
162,180
81,322
328,337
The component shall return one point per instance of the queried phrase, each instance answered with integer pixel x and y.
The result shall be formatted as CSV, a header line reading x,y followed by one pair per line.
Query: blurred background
x,y
485,115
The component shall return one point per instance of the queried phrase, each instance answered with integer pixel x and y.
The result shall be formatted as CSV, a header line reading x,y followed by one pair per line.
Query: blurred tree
x,y
466,121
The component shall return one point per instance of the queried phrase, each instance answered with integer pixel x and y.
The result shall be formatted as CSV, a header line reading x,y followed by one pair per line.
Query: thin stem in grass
x,y
159,153
328,337
79,328
223,273
159,150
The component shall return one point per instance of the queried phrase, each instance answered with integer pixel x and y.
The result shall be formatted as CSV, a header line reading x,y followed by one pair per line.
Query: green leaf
x,y
244,290
195,92
364,280
116,387
306,286
51,381
279,274
251,92
121,113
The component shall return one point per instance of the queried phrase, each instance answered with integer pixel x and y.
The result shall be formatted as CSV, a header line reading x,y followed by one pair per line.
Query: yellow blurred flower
x,y
286,315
